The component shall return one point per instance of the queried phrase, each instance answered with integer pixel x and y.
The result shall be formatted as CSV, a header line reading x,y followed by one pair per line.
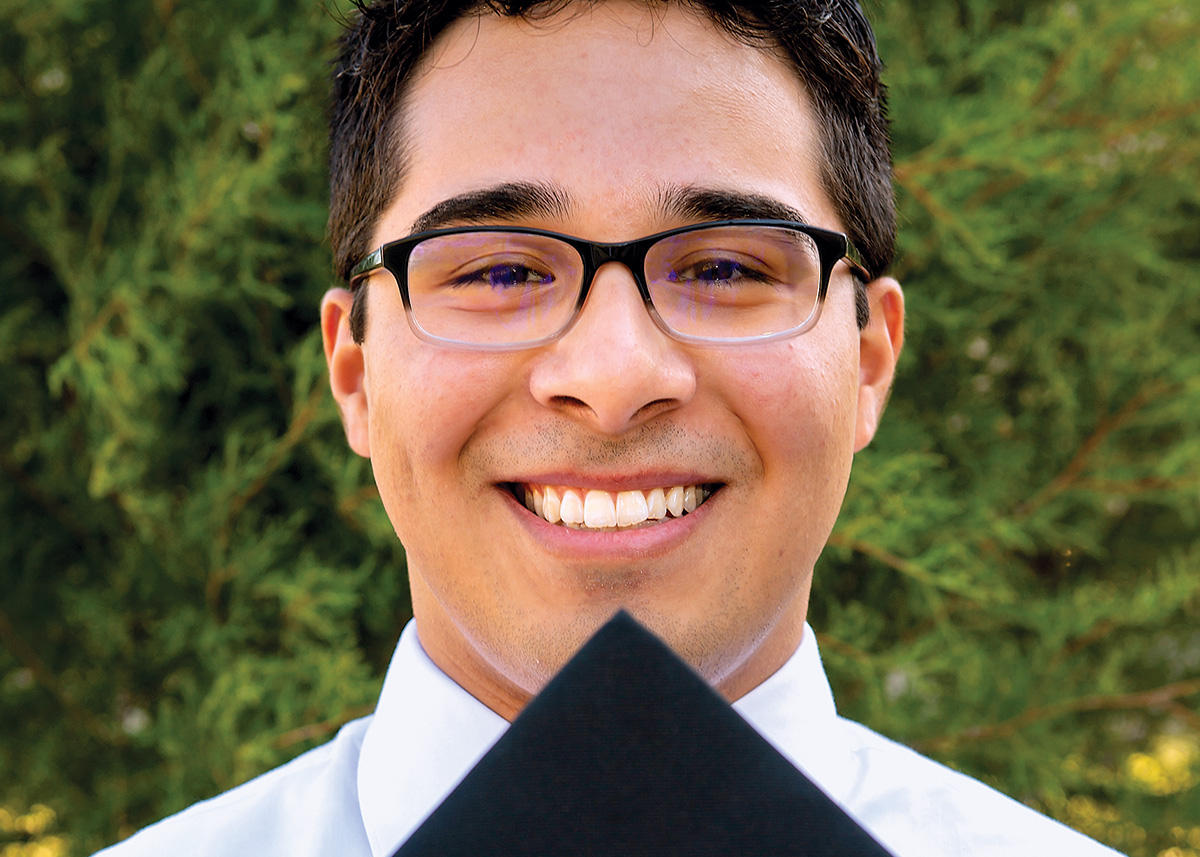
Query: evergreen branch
x,y
218,577
1185,715
953,223
846,650
1143,485
44,676
23,245
1165,696
1070,474
1082,225
181,48
1117,59
1053,75
992,189
914,571
34,491
924,163
275,367
916,165
348,506
279,453
905,566
320,729
115,306
104,203
1151,121
1097,633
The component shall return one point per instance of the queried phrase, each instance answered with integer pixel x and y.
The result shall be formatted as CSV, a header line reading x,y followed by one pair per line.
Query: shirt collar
x,y
794,710
428,732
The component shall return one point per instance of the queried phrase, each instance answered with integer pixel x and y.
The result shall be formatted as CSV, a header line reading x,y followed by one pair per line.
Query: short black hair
x,y
829,43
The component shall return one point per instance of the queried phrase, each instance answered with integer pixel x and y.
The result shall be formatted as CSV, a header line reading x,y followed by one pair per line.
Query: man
x,y
606,348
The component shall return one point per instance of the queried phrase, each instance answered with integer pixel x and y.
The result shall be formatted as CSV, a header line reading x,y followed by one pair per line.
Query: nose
x,y
614,369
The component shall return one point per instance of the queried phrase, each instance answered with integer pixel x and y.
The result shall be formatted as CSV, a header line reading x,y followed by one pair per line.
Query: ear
x,y
347,373
879,349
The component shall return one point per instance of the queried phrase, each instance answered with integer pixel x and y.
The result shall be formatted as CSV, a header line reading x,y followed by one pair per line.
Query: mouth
x,y
593,509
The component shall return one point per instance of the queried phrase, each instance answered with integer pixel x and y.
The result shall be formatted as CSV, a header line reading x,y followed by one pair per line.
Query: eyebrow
x,y
513,201
690,202
505,202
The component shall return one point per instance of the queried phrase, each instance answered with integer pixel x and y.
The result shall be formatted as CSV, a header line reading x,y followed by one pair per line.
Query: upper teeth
x,y
594,509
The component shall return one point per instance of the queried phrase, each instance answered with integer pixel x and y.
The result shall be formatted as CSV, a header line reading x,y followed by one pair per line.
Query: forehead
x,y
612,104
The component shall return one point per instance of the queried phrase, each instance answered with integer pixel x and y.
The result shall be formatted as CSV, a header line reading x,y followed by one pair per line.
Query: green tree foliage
x,y
1014,586
199,581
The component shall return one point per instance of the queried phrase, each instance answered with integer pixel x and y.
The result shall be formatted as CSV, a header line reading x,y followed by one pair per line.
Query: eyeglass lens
x,y
508,287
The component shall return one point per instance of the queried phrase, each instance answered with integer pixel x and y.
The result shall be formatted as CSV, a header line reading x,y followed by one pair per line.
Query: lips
x,y
595,509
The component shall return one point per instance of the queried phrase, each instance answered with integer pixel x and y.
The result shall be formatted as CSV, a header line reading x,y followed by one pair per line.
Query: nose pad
x,y
614,369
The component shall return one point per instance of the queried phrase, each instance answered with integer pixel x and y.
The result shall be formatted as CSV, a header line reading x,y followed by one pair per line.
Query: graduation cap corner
x,y
629,752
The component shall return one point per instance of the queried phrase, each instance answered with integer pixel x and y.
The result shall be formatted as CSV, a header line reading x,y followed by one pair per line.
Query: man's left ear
x,y
879,349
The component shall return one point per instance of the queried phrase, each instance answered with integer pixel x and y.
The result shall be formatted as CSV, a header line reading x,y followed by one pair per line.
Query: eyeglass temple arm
x,y
371,262
854,261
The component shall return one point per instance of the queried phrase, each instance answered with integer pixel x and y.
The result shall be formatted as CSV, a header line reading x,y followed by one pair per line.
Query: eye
x,y
503,276
717,272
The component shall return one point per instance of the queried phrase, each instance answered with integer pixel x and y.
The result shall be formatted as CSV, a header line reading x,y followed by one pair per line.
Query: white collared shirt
x,y
366,791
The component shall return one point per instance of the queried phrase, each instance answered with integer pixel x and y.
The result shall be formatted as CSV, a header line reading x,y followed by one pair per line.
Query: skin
x,y
611,107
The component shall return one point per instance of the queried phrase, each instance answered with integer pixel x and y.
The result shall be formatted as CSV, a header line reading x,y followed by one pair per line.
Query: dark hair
x,y
828,42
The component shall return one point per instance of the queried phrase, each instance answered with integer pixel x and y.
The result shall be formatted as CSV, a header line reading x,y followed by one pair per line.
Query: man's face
x,y
626,116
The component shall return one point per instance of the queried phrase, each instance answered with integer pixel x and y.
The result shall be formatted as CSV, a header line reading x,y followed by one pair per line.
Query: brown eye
x,y
504,277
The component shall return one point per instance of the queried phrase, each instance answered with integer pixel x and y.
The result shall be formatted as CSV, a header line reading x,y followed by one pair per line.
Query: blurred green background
x,y
198,581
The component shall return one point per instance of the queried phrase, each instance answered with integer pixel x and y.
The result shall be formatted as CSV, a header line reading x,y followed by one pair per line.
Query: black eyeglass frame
x,y
832,248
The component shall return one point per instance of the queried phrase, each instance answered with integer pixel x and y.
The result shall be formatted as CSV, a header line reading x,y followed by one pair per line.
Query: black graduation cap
x,y
628,752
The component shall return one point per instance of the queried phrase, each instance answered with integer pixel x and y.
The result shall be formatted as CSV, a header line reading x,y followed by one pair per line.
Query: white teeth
x,y
675,501
605,510
598,510
550,506
571,508
656,502
631,508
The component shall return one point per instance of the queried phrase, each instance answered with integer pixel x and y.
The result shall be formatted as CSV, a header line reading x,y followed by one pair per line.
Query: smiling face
x,y
609,123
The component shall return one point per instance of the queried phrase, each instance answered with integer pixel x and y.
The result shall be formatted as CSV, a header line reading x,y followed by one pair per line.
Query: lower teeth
x,y
649,522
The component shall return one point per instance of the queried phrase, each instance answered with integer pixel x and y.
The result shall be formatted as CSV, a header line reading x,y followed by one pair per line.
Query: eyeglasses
x,y
502,288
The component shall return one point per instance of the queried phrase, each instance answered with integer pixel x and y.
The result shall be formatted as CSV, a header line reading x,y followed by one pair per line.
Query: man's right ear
x,y
347,371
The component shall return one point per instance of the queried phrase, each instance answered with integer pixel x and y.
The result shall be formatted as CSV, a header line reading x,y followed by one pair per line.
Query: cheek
x,y
426,404
799,401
